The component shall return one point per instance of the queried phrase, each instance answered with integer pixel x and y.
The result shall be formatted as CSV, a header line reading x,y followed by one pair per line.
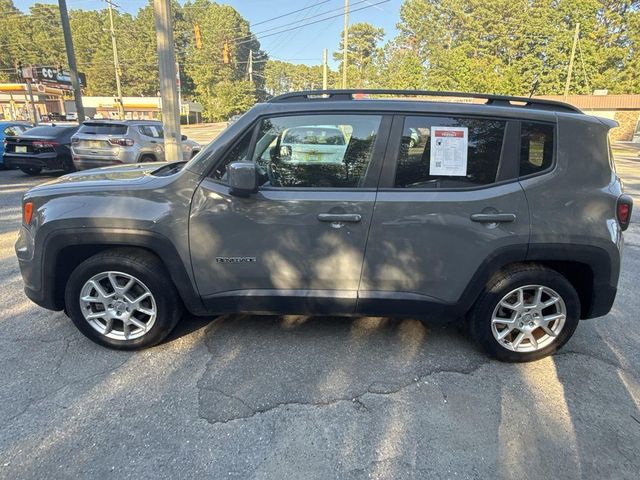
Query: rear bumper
x,y
41,160
83,159
85,163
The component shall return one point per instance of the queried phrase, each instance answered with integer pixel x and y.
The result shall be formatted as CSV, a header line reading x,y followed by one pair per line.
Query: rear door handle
x,y
339,217
493,217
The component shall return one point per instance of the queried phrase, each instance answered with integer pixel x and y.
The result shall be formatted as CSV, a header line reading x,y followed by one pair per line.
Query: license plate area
x,y
21,149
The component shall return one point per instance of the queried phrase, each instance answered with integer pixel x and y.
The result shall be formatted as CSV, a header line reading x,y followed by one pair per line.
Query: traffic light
x,y
226,53
198,35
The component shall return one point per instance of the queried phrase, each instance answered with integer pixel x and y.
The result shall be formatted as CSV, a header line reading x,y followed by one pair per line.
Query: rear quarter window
x,y
536,147
103,129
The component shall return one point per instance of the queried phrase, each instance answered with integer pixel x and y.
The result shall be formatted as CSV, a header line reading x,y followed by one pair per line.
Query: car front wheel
x,y
123,299
526,313
31,170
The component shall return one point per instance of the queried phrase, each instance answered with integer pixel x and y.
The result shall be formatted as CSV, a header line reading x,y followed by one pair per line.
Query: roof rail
x,y
495,100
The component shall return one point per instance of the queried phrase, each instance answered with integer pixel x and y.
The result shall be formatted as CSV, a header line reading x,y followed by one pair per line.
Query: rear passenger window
x,y
536,147
447,152
151,131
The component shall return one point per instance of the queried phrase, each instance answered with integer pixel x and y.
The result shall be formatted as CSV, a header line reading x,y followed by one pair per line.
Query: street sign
x,y
57,78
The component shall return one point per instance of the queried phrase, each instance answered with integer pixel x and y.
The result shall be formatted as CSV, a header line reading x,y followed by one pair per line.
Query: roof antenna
x,y
534,86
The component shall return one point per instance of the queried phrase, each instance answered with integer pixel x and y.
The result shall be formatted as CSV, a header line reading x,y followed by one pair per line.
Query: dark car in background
x,y
44,147
10,129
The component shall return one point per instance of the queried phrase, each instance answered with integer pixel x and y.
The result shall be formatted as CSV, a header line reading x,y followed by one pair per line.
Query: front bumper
x,y
31,270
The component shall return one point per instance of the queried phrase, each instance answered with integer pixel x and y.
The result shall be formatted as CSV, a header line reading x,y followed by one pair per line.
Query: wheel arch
x,y
65,250
592,270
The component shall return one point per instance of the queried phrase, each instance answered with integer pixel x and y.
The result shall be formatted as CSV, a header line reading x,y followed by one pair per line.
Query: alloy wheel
x,y
528,318
118,305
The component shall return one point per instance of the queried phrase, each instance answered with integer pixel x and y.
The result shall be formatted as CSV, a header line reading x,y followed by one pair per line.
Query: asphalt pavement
x,y
300,397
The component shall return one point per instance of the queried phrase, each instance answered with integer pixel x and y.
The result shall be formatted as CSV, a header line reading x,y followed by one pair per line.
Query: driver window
x,y
315,151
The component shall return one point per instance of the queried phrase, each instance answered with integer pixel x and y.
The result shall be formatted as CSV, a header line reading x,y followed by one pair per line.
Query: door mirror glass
x,y
183,137
243,179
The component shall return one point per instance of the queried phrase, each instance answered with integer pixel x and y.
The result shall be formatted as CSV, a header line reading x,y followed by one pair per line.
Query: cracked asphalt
x,y
301,397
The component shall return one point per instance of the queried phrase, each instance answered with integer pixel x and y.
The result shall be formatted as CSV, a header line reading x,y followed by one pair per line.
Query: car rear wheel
x,y
31,170
525,314
123,299
147,159
68,166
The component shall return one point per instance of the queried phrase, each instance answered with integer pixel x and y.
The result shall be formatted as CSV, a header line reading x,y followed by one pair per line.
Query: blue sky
x,y
303,45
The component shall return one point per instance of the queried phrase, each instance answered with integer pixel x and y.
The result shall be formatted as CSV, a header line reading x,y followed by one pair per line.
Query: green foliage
x,y
502,46
362,50
230,97
520,46
36,39
281,77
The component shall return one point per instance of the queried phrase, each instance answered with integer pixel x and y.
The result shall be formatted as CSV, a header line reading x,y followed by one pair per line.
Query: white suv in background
x,y
100,143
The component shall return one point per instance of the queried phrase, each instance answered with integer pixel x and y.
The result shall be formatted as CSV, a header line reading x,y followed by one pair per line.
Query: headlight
x,y
186,148
159,149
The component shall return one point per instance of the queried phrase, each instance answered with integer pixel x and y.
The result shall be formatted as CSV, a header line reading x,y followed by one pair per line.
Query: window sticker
x,y
449,147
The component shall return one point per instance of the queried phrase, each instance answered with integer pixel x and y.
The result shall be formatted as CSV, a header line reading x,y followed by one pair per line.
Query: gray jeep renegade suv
x,y
505,212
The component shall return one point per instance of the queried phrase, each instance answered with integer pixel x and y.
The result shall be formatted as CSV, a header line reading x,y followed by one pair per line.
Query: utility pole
x,y
116,63
576,36
32,103
250,66
324,70
71,59
168,87
345,39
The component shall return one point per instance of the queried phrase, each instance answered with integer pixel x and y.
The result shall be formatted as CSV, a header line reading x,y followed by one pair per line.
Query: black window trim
x,y
372,176
510,149
554,158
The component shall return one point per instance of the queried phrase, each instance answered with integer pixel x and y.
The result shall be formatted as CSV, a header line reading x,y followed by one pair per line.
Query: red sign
x,y
449,133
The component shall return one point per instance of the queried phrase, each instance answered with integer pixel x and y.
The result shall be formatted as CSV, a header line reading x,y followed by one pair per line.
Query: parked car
x,y
322,144
11,129
510,216
100,143
71,116
39,148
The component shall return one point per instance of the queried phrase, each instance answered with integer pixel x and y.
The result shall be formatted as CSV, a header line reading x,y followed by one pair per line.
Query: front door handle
x,y
493,217
339,217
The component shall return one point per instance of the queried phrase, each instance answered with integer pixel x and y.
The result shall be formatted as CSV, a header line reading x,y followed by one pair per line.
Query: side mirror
x,y
183,137
243,178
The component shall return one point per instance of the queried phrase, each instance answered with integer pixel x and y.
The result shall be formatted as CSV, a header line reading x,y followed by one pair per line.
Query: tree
x,y
520,46
281,77
362,48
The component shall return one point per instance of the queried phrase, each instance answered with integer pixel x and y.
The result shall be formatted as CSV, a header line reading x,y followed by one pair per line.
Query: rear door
x,y
299,242
449,203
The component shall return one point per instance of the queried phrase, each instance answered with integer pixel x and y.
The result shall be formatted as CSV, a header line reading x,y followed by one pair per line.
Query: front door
x,y
449,202
299,242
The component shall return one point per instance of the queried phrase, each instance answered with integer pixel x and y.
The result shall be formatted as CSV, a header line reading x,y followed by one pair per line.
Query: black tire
x,y
148,269
68,166
32,171
194,153
507,281
147,158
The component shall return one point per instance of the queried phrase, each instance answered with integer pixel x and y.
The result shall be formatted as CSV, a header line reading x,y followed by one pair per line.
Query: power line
x,y
309,23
